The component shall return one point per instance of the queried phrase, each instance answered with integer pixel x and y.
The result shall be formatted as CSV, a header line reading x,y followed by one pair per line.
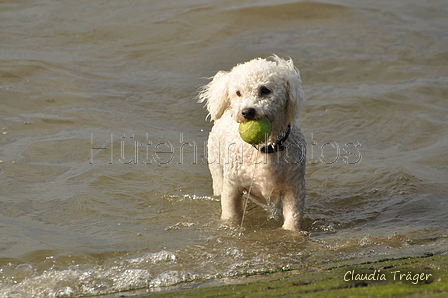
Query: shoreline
x,y
419,276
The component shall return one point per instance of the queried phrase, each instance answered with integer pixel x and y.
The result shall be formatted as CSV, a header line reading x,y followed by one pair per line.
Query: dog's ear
x,y
216,94
296,96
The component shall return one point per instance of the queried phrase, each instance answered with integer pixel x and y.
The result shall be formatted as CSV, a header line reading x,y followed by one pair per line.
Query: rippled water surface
x,y
103,187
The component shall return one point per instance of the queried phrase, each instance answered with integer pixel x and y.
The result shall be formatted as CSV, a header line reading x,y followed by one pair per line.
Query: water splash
x,y
122,275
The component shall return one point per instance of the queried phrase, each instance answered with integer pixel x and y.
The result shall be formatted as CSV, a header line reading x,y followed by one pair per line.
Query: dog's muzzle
x,y
248,113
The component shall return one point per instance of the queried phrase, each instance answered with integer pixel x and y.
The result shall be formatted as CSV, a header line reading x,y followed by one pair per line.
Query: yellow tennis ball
x,y
255,131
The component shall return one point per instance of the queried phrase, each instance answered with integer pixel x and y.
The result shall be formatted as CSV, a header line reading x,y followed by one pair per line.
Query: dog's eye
x,y
238,93
265,91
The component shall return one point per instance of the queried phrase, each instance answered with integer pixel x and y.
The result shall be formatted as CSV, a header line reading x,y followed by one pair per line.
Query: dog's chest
x,y
263,174
236,164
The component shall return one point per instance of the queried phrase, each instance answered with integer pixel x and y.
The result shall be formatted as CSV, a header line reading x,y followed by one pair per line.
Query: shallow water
x,y
103,187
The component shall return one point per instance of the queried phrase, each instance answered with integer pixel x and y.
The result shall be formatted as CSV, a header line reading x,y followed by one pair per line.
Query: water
x,y
103,187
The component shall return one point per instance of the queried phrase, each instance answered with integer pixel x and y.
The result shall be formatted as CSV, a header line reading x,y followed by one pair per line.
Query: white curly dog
x,y
272,172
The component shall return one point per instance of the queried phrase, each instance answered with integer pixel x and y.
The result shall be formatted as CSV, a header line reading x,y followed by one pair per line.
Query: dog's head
x,y
258,88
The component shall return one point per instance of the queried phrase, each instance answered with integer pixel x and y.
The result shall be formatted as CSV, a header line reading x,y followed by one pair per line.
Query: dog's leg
x,y
293,202
231,204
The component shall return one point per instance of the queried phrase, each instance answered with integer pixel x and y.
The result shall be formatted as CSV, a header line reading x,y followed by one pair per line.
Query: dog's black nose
x,y
248,113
